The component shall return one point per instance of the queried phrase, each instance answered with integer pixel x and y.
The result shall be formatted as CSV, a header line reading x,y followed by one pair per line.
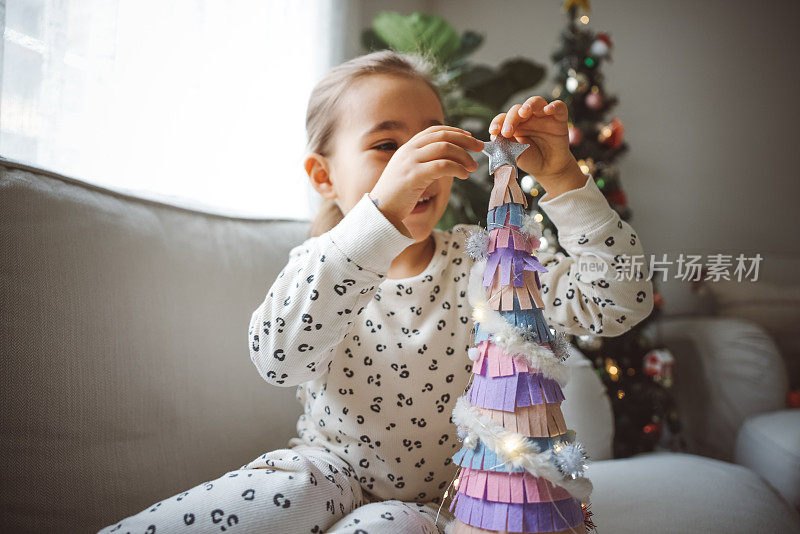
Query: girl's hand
x,y
544,126
436,152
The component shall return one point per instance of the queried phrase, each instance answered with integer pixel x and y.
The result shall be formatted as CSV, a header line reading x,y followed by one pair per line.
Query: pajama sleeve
x,y
311,307
596,288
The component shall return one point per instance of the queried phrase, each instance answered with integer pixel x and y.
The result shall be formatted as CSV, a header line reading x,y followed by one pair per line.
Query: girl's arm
x,y
579,298
311,306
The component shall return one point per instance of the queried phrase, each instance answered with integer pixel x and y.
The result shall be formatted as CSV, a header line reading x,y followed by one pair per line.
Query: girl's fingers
x,y
497,123
527,110
464,140
442,150
511,121
418,138
444,168
557,109
534,106
441,128
524,120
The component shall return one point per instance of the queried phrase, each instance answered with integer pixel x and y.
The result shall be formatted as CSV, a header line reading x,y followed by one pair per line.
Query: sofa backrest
x,y
123,333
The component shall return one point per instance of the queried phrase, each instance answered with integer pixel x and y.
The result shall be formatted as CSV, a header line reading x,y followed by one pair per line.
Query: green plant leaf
x,y
418,33
470,41
475,76
467,107
511,77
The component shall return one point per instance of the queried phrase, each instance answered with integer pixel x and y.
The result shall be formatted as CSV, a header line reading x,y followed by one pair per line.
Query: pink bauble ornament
x,y
605,38
594,100
575,136
599,48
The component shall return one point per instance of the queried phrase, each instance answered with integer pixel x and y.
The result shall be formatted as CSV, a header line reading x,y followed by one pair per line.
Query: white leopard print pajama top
x,y
379,363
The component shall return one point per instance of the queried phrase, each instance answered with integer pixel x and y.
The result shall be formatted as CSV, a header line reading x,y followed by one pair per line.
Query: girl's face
x,y
377,115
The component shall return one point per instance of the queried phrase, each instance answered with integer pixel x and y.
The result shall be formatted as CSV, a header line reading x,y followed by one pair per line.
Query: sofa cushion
x,y
666,493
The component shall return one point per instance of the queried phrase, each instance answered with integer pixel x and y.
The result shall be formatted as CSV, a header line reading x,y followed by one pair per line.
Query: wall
x,y
708,97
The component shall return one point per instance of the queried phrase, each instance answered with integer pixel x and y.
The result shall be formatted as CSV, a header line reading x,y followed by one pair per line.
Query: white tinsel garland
x,y
515,450
477,243
508,336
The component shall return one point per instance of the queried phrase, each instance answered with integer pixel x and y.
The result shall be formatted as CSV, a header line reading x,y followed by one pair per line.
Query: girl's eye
x,y
389,145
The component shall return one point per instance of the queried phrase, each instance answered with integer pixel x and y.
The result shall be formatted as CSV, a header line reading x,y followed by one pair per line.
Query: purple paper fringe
x,y
509,392
506,257
518,517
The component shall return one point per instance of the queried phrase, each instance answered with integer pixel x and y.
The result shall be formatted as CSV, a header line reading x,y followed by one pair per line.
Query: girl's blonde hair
x,y
322,113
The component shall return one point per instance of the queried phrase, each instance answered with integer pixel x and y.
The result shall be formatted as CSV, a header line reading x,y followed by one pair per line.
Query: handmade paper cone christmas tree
x,y
521,469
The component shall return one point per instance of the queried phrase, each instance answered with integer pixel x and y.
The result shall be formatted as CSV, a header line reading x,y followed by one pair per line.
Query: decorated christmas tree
x,y
637,372
521,468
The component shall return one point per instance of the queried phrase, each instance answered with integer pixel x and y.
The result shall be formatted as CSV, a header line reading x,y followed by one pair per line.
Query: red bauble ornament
x,y
652,428
594,100
794,398
612,134
659,363
575,136
618,198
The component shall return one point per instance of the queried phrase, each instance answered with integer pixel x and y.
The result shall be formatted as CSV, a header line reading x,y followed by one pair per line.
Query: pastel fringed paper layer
x,y
510,392
485,459
508,487
519,517
512,449
505,214
463,528
492,326
510,236
508,260
531,322
535,420
506,190
511,296
492,360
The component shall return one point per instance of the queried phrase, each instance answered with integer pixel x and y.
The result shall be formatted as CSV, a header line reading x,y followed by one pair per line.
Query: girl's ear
x,y
318,170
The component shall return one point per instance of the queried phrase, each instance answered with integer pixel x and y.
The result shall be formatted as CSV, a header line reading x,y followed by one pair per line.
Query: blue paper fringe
x,y
496,217
484,458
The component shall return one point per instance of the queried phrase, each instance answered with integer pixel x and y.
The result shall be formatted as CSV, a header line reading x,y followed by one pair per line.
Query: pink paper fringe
x,y
508,487
494,361
500,237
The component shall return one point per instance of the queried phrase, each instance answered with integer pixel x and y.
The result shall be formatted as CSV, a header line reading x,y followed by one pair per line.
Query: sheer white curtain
x,y
198,102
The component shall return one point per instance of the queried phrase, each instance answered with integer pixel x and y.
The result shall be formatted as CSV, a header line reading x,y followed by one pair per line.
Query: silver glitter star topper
x,y
503,151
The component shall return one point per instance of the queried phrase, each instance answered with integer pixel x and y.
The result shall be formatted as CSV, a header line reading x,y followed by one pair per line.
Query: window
x,y
197,102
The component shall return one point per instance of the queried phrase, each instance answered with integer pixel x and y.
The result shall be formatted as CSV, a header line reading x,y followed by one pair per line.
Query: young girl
x,y
370,320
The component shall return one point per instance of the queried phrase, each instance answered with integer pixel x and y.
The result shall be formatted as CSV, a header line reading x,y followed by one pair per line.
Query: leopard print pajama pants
x,y
304,489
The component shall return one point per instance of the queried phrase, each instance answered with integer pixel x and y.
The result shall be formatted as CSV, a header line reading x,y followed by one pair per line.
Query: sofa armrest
x,y
769,444
726,370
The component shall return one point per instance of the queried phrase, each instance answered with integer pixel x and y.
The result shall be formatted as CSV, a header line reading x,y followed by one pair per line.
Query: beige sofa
x,y
123,331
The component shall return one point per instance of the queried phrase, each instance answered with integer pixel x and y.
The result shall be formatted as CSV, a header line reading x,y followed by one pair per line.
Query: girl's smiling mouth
x,y
423,203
